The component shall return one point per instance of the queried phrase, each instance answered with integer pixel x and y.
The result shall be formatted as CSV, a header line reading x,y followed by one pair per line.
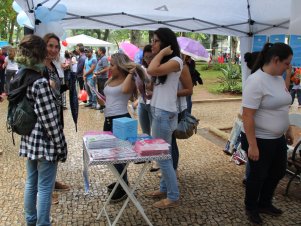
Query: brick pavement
x,y
210,185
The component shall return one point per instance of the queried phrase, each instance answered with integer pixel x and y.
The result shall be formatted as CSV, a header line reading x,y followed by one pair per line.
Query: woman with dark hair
x,y
250,59
46,144
165,68
144,112
50,70
265,104
67,67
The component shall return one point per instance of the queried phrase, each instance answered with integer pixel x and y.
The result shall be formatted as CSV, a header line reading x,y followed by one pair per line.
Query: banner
x,y
295,43
277,38
258,42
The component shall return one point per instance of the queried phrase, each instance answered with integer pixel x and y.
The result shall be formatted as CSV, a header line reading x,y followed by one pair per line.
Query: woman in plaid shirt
x,y
46,144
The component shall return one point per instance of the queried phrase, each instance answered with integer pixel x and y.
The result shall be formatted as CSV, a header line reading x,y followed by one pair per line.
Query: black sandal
x,y
154,169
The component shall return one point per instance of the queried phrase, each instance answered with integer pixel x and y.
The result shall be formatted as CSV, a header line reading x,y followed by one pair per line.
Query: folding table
x,y
109,162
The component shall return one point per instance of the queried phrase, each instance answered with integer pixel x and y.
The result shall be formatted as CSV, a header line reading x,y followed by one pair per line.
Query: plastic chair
x,y
295,159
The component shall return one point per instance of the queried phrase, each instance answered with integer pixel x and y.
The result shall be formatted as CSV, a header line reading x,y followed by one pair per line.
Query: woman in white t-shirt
x,y
266,102
11,67
165,69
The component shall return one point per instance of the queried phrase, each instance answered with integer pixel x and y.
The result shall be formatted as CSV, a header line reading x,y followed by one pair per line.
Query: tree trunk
x,y
19,29
135,37
11,30
234,43
214,44
150,36
106,35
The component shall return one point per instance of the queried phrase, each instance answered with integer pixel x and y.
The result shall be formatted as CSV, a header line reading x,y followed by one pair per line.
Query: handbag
x,y
187,125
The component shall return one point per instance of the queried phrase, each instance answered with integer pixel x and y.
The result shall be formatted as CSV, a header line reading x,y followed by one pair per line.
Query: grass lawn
x,y
210,79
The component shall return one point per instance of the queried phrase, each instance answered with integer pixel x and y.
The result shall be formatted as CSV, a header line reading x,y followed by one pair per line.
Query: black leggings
x,y
265,173
108,126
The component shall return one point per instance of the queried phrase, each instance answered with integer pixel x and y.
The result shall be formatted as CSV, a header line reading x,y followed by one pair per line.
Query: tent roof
x,y
228,17
87,41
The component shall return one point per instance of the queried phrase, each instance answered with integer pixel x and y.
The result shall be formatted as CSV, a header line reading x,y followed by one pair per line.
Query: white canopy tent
x,y
242,18
87,41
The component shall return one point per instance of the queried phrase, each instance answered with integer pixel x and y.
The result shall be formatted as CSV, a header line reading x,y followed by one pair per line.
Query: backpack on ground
x,y
21,117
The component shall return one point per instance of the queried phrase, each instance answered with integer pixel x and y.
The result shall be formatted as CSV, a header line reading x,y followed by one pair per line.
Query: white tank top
x,y
116,101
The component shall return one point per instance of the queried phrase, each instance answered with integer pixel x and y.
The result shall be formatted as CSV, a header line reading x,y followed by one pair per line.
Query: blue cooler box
x,y
123,128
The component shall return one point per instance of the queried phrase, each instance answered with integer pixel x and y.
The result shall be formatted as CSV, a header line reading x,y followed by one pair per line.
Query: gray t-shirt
x,y
102,63
116,100
271,99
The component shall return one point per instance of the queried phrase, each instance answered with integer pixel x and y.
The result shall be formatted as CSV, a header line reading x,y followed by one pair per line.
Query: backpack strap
x,y
24,78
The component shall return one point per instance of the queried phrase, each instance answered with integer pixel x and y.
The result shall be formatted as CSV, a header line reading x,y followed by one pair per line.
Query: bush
x,y
218,66
230,81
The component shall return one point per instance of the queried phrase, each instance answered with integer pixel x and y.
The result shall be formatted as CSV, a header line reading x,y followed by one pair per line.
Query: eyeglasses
x,y
148,57
154,41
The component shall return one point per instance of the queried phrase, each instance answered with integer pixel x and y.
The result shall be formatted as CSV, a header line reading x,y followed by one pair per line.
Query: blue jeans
x,y
145,117
40,180
163,125
189,103
91,94
293,94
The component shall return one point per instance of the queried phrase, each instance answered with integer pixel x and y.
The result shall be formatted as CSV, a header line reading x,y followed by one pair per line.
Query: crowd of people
x,y
167,79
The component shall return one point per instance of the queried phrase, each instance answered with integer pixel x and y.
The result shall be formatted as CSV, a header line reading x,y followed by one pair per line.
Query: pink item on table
x,y
151,147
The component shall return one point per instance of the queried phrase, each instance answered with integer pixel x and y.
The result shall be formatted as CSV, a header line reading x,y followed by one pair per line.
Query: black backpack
x,y
21,117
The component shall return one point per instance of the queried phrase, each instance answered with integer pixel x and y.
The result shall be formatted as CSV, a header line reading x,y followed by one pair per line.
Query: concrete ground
x,y
210,185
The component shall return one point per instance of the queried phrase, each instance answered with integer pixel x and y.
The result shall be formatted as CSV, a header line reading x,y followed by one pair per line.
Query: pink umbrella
x,y
129,49
193,48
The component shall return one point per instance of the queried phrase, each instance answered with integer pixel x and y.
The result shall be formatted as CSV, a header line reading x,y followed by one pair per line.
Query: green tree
x,y
7,20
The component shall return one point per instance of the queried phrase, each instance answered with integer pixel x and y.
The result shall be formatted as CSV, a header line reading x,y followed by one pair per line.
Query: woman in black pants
x,y
118,90
266,104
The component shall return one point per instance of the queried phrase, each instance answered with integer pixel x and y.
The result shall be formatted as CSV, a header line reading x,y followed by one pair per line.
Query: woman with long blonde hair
x,y
118,90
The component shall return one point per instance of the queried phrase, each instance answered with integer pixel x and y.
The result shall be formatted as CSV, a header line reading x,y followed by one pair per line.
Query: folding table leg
x,y
130,193
119,177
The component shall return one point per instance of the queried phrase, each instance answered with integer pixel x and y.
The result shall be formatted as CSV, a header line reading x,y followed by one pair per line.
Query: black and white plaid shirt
x,y
47,139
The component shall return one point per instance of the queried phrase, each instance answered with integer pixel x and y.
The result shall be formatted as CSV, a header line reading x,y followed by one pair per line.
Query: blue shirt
x,y
88,65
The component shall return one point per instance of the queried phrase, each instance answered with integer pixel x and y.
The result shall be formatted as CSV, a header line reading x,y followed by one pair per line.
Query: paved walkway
x,y
210,185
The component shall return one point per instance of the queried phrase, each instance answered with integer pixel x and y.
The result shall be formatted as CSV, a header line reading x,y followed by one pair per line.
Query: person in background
x,y
1,100
59,62
165,69
184,90
46,145
11,67
144,111
73,68
80,67
101,71
52,73
266,102
90,65
296,87
2,74
67,67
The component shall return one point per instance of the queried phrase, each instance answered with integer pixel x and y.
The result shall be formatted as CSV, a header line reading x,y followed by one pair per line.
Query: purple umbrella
x,y
193,48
